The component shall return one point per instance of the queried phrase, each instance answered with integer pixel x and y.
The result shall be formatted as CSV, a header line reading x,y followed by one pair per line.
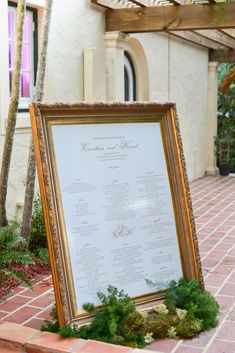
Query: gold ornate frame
x,y
45,115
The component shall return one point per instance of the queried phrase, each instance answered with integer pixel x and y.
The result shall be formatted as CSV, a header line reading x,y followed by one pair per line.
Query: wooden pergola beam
x,y
171,18
222,56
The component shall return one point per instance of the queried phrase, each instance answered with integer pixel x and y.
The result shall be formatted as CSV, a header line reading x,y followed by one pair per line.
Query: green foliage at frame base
x,y
198,303
187,311
116,322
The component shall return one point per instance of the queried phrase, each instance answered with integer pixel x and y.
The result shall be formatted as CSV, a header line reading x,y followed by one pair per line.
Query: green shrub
x,y
37,238
11,254
43,255
187,311
225,140
188,295
109,321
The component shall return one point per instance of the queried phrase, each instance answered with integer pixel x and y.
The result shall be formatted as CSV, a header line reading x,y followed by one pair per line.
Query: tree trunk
x,y
227,81
31,171
12,112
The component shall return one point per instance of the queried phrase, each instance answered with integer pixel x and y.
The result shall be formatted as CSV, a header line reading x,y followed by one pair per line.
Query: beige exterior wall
x,y
169,69
178,72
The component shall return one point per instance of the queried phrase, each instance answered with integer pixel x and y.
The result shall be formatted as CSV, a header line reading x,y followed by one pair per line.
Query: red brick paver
x,y
26,305
214,211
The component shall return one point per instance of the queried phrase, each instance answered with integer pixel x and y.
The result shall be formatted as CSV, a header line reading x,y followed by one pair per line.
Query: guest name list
x,y
117,207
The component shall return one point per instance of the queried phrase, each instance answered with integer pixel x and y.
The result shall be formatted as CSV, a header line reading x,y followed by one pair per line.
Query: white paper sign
x,y
118,208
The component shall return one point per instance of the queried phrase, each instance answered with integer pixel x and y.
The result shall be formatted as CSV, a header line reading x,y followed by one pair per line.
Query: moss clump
x,y
161,309
132,344
148,338
135,324
181,313
159,325
171,318
188,327
159,328
172,332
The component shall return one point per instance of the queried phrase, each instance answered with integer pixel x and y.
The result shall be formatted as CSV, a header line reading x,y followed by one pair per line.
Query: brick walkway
x,y
214,210
29,308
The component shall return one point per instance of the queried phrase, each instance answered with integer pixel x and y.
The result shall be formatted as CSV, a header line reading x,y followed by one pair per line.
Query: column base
x,y
212,171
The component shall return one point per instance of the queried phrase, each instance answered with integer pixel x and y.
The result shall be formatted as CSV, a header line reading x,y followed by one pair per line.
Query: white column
x,y
115,44
94,74
212,117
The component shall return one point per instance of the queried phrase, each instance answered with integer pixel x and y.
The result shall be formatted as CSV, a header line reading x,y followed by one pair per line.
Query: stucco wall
x,y
15,196
177,72
73,28
189,70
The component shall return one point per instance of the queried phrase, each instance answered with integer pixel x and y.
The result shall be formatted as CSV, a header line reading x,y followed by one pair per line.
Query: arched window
x,y
129,78
126,68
